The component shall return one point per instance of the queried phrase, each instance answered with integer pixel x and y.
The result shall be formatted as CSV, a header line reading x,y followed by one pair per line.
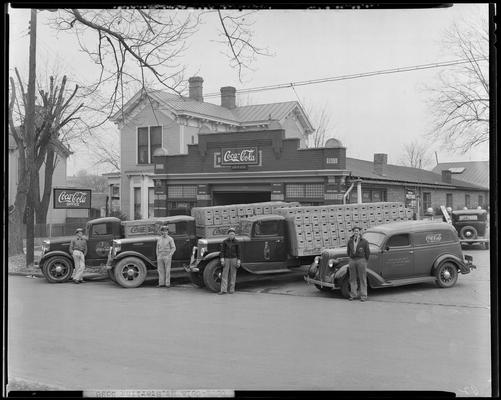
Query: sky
x,y
378,114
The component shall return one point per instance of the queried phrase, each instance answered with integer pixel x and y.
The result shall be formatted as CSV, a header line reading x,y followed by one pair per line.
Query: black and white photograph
x,y
209,202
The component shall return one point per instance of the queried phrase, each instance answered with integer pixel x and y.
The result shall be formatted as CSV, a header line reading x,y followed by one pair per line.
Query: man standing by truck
x,y
165,249
78,249
230,259
358,251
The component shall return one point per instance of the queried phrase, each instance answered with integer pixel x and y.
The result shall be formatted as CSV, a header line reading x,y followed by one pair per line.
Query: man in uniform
x,y
358,251
78,249
165,249
230,259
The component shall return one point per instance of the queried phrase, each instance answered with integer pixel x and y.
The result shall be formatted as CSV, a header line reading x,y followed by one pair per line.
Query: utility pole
x,y
29,128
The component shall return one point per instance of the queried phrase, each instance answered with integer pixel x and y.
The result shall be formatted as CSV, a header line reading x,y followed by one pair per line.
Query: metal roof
x,y
244,115
365,169
475,172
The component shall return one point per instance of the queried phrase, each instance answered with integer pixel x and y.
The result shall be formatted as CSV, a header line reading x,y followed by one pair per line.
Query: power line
x,y
353,76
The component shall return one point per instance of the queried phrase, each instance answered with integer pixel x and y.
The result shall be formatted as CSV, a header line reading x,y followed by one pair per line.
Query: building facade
x,y
170,124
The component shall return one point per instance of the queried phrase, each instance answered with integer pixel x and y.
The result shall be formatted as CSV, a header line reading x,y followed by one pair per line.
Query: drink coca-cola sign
x,y
72,198
240,156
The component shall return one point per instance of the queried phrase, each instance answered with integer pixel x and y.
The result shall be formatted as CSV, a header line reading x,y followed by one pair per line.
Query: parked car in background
x,y
471,226
402,253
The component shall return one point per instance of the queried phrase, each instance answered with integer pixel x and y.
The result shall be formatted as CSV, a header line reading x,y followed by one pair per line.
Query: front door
x,y
267,249
98,243
398,257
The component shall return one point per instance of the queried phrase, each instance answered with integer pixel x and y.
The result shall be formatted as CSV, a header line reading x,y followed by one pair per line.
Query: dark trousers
x,y
358,269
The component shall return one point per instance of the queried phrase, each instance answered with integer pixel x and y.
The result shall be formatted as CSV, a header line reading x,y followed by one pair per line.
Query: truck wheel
x,y
197,279
57,269
468,232
345,287
447,275
130,272
212,275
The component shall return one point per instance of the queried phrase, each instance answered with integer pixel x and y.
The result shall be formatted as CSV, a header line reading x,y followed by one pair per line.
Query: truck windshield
x,y
374,238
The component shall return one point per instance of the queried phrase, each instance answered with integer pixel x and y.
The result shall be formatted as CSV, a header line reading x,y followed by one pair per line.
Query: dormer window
x,y
148,140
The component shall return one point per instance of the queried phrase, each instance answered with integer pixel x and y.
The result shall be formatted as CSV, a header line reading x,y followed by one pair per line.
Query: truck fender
x,y
134,254
50,254
373,279
449,257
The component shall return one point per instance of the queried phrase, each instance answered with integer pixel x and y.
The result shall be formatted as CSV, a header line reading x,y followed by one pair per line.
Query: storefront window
x,y
137,203
301,191
182,192
467,200
481,200
151,199
448,200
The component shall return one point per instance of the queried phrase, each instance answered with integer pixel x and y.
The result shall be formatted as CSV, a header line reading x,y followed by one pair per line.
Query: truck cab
x,y
264,249
131,258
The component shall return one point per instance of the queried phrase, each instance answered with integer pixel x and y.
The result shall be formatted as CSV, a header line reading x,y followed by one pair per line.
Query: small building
x,y
170,123
474,172
418,188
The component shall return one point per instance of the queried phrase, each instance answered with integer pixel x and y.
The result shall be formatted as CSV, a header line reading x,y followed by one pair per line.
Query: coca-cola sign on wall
x,y
240,156
72,198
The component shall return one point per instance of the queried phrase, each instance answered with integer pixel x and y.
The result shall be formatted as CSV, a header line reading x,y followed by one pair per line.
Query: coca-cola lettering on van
x,y
240,156
72,198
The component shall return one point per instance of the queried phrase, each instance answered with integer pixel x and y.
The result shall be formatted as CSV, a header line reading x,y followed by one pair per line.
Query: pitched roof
x,y
476,172
365,169
244,115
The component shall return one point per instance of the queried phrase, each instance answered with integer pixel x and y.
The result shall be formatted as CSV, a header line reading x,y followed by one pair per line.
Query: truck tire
x,y
58,269
130,272
197,279
447,275
212,275
468,232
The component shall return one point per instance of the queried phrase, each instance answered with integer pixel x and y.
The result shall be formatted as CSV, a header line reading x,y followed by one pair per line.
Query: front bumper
x,y
312,281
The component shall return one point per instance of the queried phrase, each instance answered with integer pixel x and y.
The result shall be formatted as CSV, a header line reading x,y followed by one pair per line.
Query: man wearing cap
x,y
165,249
358,251
230,259
78,249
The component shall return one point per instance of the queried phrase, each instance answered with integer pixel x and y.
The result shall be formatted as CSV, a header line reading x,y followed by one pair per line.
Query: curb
x,y
92,276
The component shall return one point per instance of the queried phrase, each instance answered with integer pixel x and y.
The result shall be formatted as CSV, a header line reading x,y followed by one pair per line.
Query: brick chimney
x,y
446,176
196,88
228,97
380,163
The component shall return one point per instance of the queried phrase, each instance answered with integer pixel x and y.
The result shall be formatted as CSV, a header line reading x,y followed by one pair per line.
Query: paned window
x,y
182,192
426,200
304,190
148,140
137,203
448,200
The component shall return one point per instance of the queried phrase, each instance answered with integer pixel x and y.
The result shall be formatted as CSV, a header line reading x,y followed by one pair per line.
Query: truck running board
x,y
409,281
270,271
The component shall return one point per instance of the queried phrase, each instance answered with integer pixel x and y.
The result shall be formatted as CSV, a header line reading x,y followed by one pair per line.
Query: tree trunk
x,y
42,206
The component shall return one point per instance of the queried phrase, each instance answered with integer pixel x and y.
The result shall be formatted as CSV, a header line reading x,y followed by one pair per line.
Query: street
x,y
278,333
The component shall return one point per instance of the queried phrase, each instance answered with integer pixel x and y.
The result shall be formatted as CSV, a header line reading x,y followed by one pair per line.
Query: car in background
x,y
471,226
402,253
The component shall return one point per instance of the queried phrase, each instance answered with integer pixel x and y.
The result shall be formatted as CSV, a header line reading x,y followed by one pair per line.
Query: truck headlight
x,y
116,247
333,262
317,260
45,246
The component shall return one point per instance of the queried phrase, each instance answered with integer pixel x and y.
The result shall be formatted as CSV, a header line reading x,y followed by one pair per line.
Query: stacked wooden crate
x,y
314,228
142,227
216,220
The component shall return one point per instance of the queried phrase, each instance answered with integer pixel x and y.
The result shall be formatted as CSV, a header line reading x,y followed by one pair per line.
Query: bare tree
x,y
460,101
415,154
321,120
55,112
140,49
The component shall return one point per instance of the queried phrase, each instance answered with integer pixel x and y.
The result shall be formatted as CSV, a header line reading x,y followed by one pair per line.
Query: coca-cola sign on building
x,y
72,198
240,156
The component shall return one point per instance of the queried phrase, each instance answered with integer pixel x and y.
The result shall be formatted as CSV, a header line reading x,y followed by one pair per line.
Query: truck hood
x,y
60,240
337,252
136,239
217,240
